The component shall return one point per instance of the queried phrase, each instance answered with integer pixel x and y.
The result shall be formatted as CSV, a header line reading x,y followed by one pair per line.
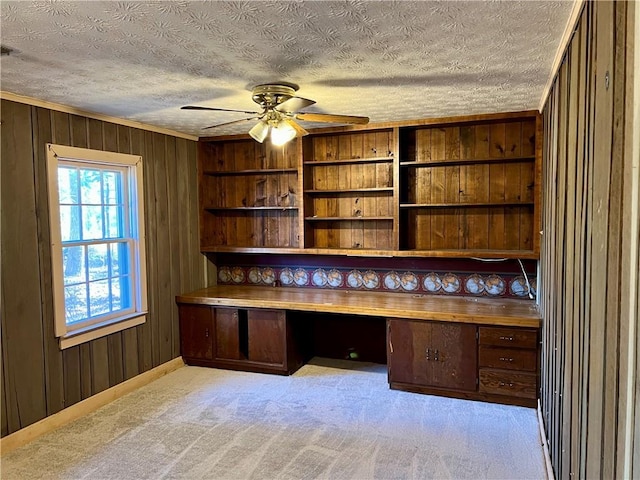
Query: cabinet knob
x,y
508,338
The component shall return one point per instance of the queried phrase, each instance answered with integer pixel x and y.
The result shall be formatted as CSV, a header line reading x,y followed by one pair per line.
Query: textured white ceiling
x,y
389,60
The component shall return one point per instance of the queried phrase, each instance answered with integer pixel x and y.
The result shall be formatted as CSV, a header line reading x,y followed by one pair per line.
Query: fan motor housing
x,y
272,94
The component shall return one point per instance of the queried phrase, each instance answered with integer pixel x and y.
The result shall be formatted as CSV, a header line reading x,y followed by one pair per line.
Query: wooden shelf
x,y
349,190
349,160
256,171
466,205
469,161
251,208
348,219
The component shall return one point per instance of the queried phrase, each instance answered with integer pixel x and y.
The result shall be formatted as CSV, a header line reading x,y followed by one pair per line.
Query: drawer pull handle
x,y
503,384
508,338
428,354
506,359
206,333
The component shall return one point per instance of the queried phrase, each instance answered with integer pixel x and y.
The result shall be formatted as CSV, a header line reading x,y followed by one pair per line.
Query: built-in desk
x,y
467,347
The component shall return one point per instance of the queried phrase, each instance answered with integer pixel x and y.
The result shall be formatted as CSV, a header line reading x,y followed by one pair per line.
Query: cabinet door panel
x,y
227,334
407,356
454,359
196,332
267,336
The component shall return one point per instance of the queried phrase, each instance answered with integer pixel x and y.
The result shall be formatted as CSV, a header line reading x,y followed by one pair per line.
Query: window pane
x,y
98,262
73,265
121,293
91,223
112,187
99,297
68,184
75,303
90,186
119,259
113,221
70,223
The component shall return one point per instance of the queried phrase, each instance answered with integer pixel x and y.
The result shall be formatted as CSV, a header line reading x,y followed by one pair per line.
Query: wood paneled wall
x,y
589,340
38,379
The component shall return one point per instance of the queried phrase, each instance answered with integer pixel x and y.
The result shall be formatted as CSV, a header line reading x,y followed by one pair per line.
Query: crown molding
x,y
97,116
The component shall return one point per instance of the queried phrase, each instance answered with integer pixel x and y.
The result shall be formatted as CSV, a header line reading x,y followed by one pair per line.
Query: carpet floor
x,y
331,420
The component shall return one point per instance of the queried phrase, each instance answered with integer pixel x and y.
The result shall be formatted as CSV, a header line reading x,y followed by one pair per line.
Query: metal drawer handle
x,y
506,359
504,337
206,333
428,354
502,384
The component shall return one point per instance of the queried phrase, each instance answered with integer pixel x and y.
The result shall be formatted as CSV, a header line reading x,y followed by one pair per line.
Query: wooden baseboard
x,y
77,410
545,445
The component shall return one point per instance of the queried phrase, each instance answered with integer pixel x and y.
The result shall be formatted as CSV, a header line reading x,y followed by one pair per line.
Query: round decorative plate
x,y
354,279
268,275
319,278
494,285
286,277
224,274
370,279
431,282
254,275
237,274
474,284
409,281
334,277
300,277
519,287
392,281
450,283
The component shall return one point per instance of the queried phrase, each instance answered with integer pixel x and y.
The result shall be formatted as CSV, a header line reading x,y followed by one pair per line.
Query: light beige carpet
x,y
331,420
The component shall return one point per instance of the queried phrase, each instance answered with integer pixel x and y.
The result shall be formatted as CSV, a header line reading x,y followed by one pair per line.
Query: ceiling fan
x,y
280,109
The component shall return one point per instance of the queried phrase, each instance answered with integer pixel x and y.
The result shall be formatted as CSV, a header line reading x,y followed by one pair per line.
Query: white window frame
x,y
68,335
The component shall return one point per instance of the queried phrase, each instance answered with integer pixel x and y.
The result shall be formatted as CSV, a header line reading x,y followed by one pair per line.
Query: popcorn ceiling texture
x,y
389,60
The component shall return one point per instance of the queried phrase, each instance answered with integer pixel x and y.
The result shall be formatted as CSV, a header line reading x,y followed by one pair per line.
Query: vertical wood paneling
x,y
38,379
587,162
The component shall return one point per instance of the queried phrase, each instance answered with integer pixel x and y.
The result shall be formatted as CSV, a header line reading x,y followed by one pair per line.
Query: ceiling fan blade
x,y
231,123
195,107
299,130
327,117
294,104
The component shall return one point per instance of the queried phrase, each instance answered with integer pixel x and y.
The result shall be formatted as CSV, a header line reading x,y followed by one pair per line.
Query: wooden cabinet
x,y
248,195
432,354
456,187
258,340
349,191
461,360
508,362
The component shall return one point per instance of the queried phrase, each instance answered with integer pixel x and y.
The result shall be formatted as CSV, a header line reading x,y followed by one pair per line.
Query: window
x,y
97,241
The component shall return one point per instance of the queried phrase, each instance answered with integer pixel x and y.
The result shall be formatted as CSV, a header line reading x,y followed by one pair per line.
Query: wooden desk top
x,y
488,311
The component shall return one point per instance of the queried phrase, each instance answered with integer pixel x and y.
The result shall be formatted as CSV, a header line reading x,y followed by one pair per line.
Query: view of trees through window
x,y
96,248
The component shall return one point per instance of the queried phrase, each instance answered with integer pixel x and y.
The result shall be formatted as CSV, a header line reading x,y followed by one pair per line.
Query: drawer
x,y
508,337
509,358
513,384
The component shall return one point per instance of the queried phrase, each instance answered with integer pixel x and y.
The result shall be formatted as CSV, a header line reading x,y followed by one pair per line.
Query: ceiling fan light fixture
x,y
259,131
281,133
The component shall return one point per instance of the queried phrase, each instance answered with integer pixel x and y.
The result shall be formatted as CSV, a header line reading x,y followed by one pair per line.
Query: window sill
x,y
92,332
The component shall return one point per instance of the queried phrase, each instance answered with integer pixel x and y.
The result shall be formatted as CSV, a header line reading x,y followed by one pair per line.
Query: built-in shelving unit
x,y
454,187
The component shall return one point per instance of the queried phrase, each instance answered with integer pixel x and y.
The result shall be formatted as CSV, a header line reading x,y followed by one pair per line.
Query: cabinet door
x,y
432,354
196,331
228,330
267,336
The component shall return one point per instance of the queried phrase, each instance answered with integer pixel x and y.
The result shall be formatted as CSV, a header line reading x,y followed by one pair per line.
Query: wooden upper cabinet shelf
x,y
372,190
254,171
464,187
467,161
345,161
